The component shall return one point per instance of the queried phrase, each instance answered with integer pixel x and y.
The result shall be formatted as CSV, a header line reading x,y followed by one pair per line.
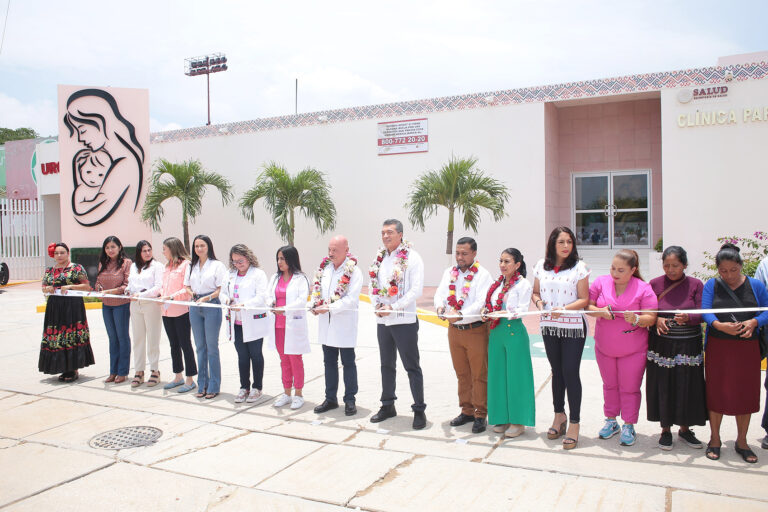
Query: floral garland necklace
x,y
398,270
491,307
458,304
344,280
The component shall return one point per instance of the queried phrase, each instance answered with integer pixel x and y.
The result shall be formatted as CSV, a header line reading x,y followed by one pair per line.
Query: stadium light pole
x,y
205,65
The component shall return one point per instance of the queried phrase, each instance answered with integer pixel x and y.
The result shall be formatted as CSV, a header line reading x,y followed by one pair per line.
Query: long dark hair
x,y
632,259
518,257
138,260
195,257
104,259
550,260
291,257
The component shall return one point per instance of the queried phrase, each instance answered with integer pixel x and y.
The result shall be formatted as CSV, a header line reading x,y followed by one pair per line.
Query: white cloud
x,y
40,115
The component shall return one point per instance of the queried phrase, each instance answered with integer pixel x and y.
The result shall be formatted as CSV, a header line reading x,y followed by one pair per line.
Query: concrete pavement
x,y
218,455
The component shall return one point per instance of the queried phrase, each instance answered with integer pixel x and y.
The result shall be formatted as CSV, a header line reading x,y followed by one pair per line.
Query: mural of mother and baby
x,y
108,171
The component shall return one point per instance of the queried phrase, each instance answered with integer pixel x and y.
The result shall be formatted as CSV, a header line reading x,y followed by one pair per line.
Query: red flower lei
x,y
344,280
451,300
489,307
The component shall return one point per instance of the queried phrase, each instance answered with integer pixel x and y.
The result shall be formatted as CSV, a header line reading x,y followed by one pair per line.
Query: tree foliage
x,y
187,182
461,188
7,134
283,194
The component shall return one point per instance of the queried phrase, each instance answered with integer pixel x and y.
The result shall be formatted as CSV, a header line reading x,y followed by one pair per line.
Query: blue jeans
x,y
117,321
206,324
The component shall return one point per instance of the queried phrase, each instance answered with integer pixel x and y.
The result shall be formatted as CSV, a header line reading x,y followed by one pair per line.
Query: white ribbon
x,y
495,314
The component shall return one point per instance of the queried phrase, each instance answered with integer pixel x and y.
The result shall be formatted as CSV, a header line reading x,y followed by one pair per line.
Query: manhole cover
x,y
126,437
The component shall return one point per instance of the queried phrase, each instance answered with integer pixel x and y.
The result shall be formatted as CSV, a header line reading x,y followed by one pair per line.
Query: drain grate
x,y
126,437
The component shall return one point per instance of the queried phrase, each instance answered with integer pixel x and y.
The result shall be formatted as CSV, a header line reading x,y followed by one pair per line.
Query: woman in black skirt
x,y
674,378
66,346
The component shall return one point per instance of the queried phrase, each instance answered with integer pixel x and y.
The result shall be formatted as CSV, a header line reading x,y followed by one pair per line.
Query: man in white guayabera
x,y
396,281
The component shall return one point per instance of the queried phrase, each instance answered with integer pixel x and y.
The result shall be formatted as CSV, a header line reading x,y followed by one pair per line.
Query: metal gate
x,y
21,237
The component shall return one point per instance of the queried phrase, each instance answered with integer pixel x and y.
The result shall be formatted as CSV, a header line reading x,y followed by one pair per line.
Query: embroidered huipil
x,y
558,289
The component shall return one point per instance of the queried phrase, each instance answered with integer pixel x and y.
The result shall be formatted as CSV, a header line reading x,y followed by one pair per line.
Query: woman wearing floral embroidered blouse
x,y
511,400
561,283
66,346
674,380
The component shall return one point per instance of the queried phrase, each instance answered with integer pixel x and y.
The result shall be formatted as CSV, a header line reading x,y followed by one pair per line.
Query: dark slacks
x,y
331,361
249,356
403,338
178,330
765,410
564,355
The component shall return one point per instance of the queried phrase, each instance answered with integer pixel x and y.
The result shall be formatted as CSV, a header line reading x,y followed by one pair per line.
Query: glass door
x,y
612,209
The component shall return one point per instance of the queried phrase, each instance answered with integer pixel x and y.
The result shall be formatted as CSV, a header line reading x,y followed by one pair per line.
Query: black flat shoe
x,y
747,454
326,406
478,426
350,409
419,420
462,419
385,412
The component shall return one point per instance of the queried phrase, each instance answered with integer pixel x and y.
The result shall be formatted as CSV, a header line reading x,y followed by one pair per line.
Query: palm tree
x,y
186,182
282,193
457,186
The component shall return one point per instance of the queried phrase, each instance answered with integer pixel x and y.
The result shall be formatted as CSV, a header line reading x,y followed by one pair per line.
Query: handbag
x,y
762,331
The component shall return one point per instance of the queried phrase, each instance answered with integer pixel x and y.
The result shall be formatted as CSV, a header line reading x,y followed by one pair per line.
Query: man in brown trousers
x,y
459,299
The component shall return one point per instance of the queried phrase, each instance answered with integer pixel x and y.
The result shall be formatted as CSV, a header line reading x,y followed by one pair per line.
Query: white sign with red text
x,y
408,136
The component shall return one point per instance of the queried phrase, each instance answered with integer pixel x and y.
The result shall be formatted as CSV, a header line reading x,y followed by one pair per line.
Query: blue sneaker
x,y
610,429
628,436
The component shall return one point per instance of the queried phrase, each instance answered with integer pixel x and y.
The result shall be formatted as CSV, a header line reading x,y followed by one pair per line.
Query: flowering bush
x,y
753,249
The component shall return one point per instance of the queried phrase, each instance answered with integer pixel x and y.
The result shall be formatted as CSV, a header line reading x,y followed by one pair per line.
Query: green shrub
x,y
659,247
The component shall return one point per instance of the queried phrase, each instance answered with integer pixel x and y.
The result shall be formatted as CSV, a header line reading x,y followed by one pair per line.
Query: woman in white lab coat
x,y
288,291
245,291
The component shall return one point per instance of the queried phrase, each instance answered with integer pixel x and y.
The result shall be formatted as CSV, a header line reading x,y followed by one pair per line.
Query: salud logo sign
x,y
702,93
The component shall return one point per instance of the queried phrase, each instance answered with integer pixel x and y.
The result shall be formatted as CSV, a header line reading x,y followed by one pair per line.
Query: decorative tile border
x,y
565,91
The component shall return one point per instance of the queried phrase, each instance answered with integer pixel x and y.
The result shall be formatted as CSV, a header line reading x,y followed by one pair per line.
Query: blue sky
x,y
346,53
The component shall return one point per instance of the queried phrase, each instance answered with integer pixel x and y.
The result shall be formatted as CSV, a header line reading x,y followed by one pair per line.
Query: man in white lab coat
x,y
334,298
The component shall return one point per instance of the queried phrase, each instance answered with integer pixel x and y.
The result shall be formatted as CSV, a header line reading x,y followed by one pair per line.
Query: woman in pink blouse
x,y
114,268
176,316
621,340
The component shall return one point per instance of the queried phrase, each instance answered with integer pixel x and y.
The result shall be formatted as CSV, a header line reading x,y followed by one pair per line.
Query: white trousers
x,y
146,322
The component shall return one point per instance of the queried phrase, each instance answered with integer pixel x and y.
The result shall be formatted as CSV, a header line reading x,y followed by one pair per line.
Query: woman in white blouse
x,y
561,284
511,400
206,275
245,291
145,280
288,292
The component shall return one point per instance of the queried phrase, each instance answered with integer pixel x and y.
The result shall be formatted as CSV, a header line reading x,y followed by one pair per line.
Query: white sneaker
x,y
297,402
282,400
241,395
254,396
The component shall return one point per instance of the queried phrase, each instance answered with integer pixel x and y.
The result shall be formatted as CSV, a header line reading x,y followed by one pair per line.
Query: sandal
x,y
137,381
72,377
554,434
120,379
747,454
570,443
713,452
200,394
109,379
210,396
154,379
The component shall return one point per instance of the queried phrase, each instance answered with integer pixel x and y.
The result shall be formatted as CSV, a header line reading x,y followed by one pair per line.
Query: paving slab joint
x,y
388,477
194,450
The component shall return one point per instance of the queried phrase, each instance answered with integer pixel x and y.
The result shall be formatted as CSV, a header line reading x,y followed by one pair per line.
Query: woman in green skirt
x,y
511,401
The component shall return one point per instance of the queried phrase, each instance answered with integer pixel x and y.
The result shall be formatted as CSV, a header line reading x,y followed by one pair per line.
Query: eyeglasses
x,y
239,262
